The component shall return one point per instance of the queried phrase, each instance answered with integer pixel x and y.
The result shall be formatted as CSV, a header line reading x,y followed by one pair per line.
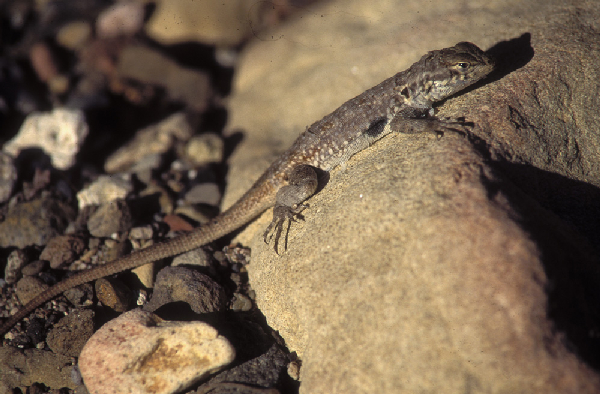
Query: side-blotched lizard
x,y
402,103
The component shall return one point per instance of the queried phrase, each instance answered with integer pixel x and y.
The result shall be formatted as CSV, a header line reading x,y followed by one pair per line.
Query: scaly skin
x,y
402,103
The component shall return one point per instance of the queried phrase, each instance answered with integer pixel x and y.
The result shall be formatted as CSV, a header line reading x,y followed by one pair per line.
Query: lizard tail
x,y
238,215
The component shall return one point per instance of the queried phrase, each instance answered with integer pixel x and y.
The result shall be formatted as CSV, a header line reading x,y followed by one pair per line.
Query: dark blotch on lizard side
x,y
376,127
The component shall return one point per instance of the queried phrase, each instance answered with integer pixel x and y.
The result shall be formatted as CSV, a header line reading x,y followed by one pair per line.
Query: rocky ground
x,y
455,265
113,117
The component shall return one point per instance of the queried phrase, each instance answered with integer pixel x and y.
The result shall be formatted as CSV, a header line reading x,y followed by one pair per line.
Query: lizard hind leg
x,y
302,183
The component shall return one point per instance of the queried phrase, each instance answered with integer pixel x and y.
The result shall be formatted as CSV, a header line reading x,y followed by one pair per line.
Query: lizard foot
x,y
453,125
281,215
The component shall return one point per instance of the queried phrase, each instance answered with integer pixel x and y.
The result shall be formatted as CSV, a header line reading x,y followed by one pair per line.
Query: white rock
x,y
59,133
105,189
140,353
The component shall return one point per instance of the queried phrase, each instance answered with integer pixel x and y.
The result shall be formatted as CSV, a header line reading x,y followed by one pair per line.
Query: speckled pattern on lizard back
x,y
402,103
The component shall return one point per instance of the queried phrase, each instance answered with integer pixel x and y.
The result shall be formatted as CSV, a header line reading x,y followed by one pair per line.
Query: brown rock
x,y
113,294
63,250
70,334
28,287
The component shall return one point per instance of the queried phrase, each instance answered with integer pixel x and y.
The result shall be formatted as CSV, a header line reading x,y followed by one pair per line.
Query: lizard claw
x,y
454,125
281,214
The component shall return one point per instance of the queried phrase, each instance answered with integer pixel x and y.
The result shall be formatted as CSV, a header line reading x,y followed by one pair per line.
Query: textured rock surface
x,y
63,250
104,189
35,222
29,287
199,291
139,353
110,218
70,334
420,266
24,368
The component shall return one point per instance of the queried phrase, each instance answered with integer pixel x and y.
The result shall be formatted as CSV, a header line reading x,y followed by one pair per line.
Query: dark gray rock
x,y
181,284
263,371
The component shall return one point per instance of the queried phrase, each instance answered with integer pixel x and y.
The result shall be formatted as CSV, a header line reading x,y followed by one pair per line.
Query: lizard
x,y
401,103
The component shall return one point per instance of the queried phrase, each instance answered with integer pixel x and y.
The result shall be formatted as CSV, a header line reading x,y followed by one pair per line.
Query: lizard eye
x,y
462,65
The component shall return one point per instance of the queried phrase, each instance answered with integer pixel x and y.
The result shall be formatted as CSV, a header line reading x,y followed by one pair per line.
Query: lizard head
x,y
442,73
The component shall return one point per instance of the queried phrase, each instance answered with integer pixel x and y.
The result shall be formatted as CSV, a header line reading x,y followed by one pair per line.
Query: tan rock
x,y
420,266
74,35
139,353
150,66
221,23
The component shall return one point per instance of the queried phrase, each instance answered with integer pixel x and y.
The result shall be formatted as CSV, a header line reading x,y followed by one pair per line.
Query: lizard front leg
x,y
410,120
302,183
435,125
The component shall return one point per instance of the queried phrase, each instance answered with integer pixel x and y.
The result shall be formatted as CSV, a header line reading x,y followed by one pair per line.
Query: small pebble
x,y
74,35
34,268
204,149
241,303
144,232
